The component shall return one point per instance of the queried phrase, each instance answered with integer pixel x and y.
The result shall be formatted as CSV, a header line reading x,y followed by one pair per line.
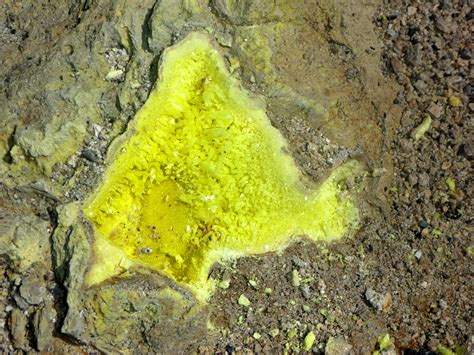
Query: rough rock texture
x,y
142,313
17,243
72,75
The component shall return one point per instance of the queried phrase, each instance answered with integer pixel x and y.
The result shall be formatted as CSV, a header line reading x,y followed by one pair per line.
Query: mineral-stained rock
x,y
17,324
379,301
172,17
338,346
51,143
67,215
43,326
33,289
160,310
140,313
20,302
24,239
71,250
137,311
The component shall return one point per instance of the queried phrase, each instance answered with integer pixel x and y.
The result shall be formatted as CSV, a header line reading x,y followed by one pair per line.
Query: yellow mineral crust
x,y
202,176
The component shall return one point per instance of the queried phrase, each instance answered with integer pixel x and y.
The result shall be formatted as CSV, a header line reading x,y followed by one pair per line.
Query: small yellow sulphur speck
x,y
200,176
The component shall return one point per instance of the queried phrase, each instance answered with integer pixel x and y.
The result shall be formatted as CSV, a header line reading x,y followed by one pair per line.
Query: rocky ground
x,y
387,83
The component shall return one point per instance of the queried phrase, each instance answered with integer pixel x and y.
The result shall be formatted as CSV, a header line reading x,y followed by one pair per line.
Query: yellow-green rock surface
x,y
202,176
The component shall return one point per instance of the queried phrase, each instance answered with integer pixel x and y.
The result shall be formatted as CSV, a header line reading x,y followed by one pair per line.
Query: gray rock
x,y
42,187
77,253
445,25
18,323
465,54
299,263
43,326
71,250
25,240
20,302
412,179
442,25
168,19
338,346
379,301
305,291
139,314
225,39
418,254
443,304
391,32
411,10
413,56
470,345
91,155
420,85
33,289
45,142
468,149
435,110
423,179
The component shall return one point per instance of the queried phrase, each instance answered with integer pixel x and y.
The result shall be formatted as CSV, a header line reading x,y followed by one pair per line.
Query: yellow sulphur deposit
x,y
201,176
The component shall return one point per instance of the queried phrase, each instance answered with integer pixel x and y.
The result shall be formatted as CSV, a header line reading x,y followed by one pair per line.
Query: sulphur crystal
x,y
202,176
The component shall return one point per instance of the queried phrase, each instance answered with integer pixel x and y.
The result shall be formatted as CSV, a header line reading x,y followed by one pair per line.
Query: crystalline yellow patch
x,y
201,176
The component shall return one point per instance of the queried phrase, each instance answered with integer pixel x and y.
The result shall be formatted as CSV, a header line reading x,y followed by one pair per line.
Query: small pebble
x,y
91,155
224,284
322,286
443,304
455,101
305,291
337,346
244,301
253,283
465,54
418,254
411,10
309,341
420,131
435,110
379,301
296,278
274,332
